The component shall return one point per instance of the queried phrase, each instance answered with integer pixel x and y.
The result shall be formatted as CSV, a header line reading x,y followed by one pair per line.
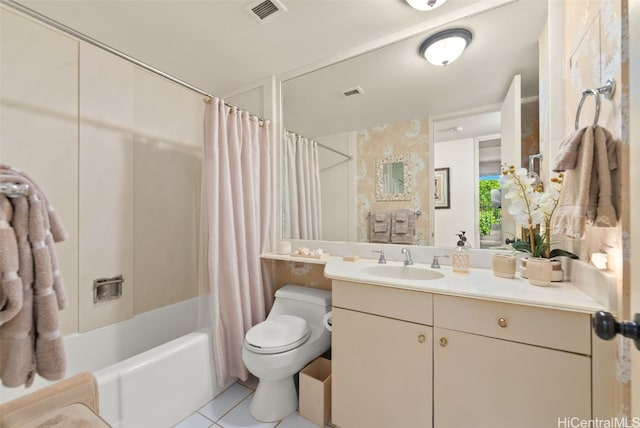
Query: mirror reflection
x,y
391,102
394,178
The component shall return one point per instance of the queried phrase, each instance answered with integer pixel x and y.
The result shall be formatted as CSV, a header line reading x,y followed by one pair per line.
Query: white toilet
x,y
279,347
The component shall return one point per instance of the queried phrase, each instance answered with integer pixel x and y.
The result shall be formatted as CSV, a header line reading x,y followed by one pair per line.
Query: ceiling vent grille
x,y
264,10
352,92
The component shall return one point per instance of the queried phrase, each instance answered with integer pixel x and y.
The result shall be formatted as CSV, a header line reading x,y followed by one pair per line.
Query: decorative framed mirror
x,y
394,177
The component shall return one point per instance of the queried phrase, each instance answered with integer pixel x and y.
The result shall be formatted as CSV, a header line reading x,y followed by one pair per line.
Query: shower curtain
x,y
301,208
236,198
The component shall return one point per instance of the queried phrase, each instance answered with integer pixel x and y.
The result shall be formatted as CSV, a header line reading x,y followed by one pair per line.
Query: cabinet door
x,y
484,382
382,372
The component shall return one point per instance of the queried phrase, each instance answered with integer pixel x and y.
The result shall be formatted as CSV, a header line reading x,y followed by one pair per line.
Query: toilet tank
x,y
305,302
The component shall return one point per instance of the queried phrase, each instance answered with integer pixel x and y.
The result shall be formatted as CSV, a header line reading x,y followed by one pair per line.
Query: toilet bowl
x,y
282,345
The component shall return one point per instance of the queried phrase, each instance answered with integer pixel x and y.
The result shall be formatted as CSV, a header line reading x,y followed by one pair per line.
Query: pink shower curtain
x,y
236,192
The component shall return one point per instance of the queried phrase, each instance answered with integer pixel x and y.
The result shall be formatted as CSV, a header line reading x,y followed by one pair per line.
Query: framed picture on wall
x,y
441,188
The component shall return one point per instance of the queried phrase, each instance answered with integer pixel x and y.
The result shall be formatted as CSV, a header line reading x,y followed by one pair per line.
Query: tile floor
x,y
230,409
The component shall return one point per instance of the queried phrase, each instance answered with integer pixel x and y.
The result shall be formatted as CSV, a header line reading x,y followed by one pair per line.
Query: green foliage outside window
x,y
488,214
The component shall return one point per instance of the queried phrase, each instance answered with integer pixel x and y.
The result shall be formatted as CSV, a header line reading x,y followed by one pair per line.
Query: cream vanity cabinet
x,y
382,347
504,365
404,358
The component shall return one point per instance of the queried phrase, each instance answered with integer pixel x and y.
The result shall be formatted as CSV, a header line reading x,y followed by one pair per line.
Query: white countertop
x,y
478,283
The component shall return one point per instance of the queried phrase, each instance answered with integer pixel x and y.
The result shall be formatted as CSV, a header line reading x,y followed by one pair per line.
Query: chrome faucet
x,y
381,260
435,264
407,257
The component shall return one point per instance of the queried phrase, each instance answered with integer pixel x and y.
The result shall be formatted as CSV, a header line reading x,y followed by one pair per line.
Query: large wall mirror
x,y
391,102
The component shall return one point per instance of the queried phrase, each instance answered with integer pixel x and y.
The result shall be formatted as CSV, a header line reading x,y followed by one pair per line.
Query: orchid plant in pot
x,y
532,206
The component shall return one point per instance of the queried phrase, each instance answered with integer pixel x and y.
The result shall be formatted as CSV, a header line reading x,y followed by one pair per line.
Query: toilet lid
x,y
277,334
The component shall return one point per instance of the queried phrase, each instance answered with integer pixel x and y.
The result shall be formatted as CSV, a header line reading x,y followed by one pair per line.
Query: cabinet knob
x,y
606,327
421,338
443,341
502,322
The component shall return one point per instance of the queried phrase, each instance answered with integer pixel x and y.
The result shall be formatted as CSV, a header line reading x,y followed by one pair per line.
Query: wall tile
x,y
167,151
106,183
38,127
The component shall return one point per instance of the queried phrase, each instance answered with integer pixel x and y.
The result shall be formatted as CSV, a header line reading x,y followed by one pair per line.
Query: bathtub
x,y
159,387
154,356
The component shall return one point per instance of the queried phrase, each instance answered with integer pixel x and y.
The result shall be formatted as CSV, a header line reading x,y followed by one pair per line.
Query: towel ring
x,y
607,90
596,115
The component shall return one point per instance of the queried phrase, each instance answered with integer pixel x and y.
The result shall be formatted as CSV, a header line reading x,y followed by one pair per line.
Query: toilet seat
x,y
278,334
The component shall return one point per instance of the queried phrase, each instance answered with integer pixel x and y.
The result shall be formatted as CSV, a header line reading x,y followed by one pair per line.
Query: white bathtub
x,y
160,387
150,358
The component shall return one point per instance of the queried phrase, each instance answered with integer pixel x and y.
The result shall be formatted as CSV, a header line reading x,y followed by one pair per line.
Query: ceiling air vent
x,y
353,91
264,10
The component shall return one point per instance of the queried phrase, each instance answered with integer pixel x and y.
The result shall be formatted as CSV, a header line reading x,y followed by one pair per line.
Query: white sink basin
x,y
402,272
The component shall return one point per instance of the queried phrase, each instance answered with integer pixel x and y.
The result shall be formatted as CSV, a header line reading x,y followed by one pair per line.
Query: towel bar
x,y
14,190
417,213
607,90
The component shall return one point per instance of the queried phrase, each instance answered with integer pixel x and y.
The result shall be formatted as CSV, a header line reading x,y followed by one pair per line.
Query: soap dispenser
x,y
460,258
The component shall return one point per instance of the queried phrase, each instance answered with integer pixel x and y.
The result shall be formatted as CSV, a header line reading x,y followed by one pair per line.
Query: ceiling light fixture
x,y
425,4
446,46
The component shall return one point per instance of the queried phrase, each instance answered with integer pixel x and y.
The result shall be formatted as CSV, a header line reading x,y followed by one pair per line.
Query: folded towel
x,y
380,230
403,227
379,227
30,339
586,189
401,216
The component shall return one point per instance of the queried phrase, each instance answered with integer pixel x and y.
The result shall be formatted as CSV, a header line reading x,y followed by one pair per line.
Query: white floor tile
x,y
240,417
195,421
294,420
224,402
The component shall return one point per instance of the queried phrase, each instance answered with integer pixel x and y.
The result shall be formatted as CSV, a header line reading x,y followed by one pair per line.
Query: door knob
x,y
606,327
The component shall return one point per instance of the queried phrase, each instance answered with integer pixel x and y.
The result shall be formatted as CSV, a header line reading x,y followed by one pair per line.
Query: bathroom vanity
x,y
458,351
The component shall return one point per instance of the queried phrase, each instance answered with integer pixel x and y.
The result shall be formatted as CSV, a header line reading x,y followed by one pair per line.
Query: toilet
x,y
279,347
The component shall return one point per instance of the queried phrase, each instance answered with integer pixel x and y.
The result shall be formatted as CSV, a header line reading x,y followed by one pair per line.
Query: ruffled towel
x,y
587,158
31,288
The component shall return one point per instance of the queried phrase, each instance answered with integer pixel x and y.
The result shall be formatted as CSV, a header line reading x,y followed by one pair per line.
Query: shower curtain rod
x,y
78,35
349,157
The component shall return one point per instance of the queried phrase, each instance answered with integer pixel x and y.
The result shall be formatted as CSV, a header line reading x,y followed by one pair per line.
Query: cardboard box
x,y
315,392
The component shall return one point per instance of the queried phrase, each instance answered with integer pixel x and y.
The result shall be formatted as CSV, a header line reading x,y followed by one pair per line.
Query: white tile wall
x,y
106,183
39,126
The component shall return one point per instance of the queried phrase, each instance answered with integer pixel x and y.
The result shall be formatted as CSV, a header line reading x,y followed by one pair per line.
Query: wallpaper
x,y
409,138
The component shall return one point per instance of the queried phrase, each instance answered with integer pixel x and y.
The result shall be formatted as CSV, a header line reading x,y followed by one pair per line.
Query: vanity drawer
x,y
557,329
406,305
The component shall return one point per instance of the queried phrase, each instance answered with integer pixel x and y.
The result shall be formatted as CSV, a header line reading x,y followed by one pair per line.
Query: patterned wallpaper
x,y
412,138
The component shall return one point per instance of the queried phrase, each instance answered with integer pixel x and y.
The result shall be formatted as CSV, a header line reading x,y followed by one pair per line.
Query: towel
x,y
586,188
30,340
380,226
403,227
568,150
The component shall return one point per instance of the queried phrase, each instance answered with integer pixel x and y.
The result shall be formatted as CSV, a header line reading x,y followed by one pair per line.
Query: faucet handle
x,y
381,260
435,264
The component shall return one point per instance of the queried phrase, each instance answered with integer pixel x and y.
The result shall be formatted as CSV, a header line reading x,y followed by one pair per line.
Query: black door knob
x,y
606,327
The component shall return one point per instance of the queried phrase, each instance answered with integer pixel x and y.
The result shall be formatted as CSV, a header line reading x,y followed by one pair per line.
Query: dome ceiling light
x,y
425,4
446,46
